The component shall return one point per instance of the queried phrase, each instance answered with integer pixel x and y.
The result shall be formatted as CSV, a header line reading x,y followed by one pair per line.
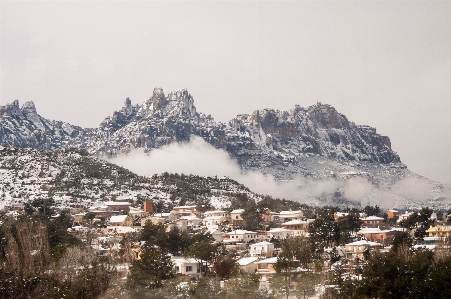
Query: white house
x,y
261,248
186,266
241,236
247,264
222,213
191,221
214,222
279,233
216,234
285,216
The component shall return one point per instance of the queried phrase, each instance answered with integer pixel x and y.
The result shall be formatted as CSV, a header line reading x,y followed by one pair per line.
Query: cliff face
x,y
268,140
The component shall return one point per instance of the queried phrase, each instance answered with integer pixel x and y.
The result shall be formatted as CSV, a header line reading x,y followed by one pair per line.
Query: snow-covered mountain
x,y
74,179
24,127
315,142
265,138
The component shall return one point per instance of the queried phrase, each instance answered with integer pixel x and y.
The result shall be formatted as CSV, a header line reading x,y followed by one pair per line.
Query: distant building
x,y
393,214
298,227
356,249
247,264
117,206
186,266
121,220
279,233
441,231
235,215
241,236
265,268
375,234
286,216
148,207
261,248
373,221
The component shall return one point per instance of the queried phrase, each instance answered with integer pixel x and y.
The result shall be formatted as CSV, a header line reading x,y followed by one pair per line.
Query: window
x,y
177,269
236,217
188,268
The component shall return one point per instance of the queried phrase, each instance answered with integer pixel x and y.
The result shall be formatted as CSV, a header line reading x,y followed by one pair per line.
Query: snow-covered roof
x,y
271,260
294,222
117,203
289,212
122,229
279,230
118,218
184,207
214,212
364,243
240,232
162,215
246,260
237,211
184,260
263,243
190,218
213,218
373,218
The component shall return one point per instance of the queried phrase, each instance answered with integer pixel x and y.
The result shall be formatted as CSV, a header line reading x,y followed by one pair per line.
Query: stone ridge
x,y
24,127
268,140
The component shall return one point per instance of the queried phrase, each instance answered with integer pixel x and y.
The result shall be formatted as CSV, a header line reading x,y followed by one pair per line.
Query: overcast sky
x,y
383,64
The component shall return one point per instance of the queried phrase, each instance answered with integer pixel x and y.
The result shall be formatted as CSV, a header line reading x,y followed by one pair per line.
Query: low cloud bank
x,y
200,158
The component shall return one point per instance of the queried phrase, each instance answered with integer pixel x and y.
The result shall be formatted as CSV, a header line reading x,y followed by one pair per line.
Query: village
x,y
255,252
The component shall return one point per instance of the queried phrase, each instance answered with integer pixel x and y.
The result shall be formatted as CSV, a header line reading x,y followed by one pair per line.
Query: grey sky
x,y
384,64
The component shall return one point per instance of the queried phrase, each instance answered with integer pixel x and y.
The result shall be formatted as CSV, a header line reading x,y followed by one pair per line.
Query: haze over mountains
x,y
313,145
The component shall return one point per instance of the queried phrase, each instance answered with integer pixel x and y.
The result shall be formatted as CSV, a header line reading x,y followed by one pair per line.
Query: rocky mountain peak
x,y
158,99
11,110
29,108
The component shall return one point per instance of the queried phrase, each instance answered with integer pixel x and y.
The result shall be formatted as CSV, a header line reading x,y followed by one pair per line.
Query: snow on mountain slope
x,y
316,142
73,179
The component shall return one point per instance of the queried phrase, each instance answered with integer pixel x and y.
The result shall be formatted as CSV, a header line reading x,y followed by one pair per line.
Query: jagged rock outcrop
x,y
24,127
268,140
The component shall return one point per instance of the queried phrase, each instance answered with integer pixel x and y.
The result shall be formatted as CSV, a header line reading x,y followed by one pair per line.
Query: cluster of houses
x,y
258,253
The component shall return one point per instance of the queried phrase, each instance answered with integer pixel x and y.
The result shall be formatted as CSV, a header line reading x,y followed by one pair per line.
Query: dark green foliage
x,y
372,211
277,205
252,216
401,241
401,275
324,230
149,272
224,266
419,221
348,224
204,251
